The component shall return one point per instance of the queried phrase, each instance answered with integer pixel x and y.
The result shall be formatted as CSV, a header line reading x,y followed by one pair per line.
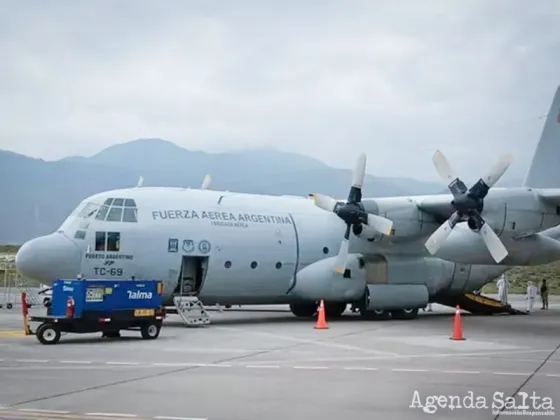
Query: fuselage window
x,y
115,214
325,250
108,202
278,265
113,241
118,202
80,234
102,213
100,241
254,265
129,202
227,264
130,215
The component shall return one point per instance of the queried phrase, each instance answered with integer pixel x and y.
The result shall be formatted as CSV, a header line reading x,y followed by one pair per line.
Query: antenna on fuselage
x,y
206,182
140,181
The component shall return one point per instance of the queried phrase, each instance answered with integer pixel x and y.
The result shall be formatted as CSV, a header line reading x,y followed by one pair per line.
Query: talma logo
x,y
139,295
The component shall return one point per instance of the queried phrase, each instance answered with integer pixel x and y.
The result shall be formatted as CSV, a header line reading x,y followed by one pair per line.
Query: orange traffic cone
x,y
321,321
457,327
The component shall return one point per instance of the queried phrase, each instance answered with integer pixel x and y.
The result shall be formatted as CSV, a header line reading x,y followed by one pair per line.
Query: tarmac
x,y
263,363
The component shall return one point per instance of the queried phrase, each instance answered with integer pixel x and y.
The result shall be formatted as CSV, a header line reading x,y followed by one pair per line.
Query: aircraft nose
x,y
49,257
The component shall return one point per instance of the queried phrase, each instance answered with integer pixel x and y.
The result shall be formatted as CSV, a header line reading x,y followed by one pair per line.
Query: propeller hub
x,y
468,205
351,213
465,203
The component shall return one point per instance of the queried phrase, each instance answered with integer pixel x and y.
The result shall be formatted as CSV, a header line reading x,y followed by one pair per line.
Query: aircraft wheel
x,y
335,309
150,331
375,314
9,306
48,334
405,313
303,310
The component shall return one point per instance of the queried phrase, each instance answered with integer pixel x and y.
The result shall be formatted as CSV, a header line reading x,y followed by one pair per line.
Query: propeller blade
x,y
359,172
140,181
206,182
498,170
340,262
493,243
436,240
380,224
443,167
324,202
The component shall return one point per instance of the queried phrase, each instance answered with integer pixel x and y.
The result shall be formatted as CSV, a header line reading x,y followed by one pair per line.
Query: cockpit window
x,y
80,234
102,213
130,215
88,210
118,210
115,214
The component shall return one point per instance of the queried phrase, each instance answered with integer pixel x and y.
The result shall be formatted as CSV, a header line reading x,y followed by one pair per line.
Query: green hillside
x,y
8,249
518,276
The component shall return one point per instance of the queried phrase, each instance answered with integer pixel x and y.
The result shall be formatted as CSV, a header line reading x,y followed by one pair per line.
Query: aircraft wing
x,y
550,196
437,206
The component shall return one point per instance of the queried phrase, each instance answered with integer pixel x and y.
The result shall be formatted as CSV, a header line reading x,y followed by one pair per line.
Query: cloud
x,y
329,79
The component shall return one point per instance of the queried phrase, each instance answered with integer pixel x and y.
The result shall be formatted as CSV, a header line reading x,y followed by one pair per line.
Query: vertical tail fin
x,y
544,171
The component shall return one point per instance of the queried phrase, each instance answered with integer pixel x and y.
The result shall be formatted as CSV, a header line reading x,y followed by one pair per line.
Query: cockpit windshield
x,y
112,210
118,210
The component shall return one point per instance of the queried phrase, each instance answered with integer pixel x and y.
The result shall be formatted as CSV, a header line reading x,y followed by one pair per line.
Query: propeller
x,y
468,204
206,182
352,213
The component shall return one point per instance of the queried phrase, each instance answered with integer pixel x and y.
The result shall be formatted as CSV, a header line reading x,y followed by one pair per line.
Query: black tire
x,y
9,306
48,334
304,310
111,334
405,314
150,331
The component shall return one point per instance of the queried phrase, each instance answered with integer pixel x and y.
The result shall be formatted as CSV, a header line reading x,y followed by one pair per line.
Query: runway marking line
x,y
12,333
461,372
37,414
254,366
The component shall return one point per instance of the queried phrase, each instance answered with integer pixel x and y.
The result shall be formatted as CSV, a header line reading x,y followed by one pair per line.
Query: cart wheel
x,y
48,334
9,306
111,334
150,331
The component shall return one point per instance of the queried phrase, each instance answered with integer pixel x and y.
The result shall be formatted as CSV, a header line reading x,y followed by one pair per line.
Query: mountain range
x,y
37,195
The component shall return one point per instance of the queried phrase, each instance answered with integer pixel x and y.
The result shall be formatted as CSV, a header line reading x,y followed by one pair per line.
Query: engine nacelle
x,y
320,281
365,232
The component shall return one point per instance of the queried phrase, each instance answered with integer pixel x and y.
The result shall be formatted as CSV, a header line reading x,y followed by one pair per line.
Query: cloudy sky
x,y
327,78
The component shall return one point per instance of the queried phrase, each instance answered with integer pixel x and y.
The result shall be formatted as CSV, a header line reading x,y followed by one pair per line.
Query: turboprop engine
x,y
362,224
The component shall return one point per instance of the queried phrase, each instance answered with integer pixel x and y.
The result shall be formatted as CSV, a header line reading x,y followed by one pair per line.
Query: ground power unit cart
x,y
106,306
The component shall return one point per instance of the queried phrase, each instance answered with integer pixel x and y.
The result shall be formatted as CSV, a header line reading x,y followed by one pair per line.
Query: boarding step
x,y
191,310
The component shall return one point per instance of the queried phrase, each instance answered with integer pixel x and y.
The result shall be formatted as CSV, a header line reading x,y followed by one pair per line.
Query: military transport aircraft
x,y
383,255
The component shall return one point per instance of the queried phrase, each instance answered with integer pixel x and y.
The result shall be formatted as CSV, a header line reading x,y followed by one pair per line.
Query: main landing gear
x,y
308,310
336,309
